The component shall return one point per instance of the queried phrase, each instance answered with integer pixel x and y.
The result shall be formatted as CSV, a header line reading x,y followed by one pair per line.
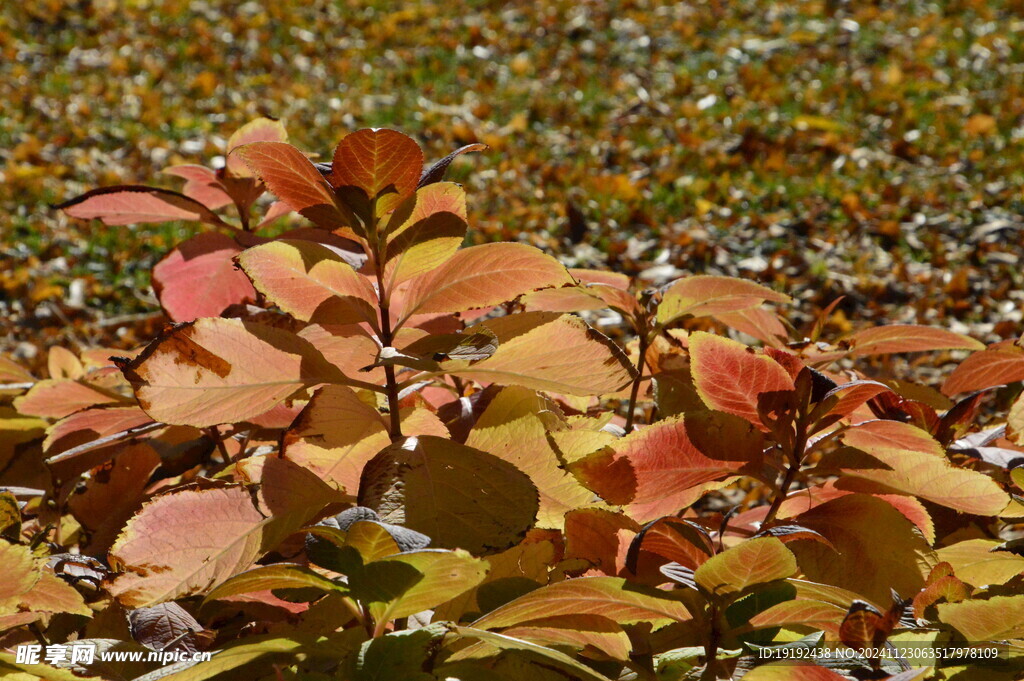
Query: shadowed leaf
x,y
458,496
512,428
199,278
310,281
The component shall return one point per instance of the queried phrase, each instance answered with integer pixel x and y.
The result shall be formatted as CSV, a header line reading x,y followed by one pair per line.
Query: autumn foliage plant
x,y
366,451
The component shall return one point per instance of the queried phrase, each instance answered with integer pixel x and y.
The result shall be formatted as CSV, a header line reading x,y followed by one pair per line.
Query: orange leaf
x,y
591,633
295,180
547,351
998,365
482,276
440,197
423,246
215,371
877,435
21,573
52,594
611,597
979,562
600,537
810,613
338,432
754,561
708,295
995,619
56,399
258,130
882,340
913,463
385,164
183,543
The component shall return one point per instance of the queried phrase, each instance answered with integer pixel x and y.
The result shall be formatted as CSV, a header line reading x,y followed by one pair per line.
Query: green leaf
x,y
503,642
276,576
441,576
405,655
611,597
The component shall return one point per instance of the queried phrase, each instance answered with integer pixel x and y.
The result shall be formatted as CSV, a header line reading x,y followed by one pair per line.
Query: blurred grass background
x,y
867,149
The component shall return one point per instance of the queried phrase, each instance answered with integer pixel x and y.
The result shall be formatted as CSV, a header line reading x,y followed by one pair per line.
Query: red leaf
x,y
131,204
730,376
199,278
669,461
201,184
